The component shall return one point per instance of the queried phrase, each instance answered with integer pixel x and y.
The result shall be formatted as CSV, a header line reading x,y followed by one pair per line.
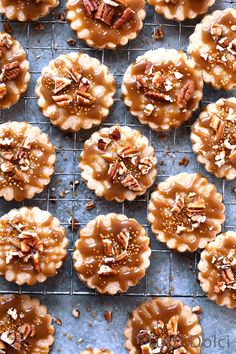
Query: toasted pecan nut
x,y
115,134
105,13
103,143
131,182
125,17
60,83
90,6
185,94
62,101
3,89
85,98
113,169
10,71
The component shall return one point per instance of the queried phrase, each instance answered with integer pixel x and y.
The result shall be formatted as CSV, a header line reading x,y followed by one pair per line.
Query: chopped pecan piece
x,y
146,348
27,330
145,164
84,84
5,43
115,134
62,101
198,206
6,155
106,270
123,238
148,68
121,256
143,337
103,143
181,350
228,276
141,81
218,125
148,109
127,151
108,248
219,287
60,83
8,337
125,17
75,73
185,94
3,90
158,95
105,13
10,71
113,170
85,98
90,6
3,348
216,31
232,156
131,182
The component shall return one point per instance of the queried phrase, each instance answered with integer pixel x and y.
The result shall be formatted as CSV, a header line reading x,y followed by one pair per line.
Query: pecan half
x,y
131,182
10,71
60,83
123,238
125,17
90,6
228,276
75,73
62,101
85,98
127,151
113,170
145,164
105,13
3,90
185,94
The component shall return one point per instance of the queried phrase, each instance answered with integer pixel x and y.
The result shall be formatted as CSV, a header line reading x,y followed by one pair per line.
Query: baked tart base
x,y
218,270
118,163
213,48
214,138
25,325
162,88
181,10
75,91
186,212
22,10
27,160
106,23
163,324
14,76
119,256
32,245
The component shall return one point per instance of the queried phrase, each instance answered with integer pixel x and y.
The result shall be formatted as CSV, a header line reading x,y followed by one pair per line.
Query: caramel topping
x,y
20,328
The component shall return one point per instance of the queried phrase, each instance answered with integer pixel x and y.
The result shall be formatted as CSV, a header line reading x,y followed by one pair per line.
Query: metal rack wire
x,y
45,44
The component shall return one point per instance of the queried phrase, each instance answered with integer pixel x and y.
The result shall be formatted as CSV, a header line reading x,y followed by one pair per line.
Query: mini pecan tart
x,y
186,212
162,88
181,10
214,138
25,325
218,270
213,48
106,23
26,160
14,71
75,91
119,255
118,163
32,245
163,326
96,351
30,10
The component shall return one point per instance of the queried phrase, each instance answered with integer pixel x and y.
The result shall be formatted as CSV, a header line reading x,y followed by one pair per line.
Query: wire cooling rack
x,y
170,274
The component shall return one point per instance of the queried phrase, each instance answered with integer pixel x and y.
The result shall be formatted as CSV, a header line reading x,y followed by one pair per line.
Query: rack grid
x,y
170,274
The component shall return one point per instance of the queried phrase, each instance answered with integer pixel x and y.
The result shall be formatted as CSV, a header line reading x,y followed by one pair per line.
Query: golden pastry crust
x,y
22,10
120,255
186,212
32,245
25,325
218,270
14,76
96,351
118,163
180,10
213,48
106,23
75,91
167,319
27,160
214,138
162,88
